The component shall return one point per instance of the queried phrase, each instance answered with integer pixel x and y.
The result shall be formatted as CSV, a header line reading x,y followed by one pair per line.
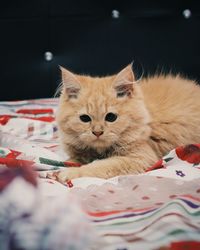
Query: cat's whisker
x,y
74,140
58,90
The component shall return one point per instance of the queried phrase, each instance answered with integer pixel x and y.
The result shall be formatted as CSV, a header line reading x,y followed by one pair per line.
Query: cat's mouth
x,y
98,140
100,143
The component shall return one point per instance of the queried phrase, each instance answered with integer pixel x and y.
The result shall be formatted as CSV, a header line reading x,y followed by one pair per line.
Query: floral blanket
x,y
156,210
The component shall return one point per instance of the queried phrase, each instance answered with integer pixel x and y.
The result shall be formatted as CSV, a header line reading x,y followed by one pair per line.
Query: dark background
x,y
85,37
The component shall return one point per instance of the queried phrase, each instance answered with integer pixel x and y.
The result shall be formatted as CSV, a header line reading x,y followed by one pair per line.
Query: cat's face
x,y
99,112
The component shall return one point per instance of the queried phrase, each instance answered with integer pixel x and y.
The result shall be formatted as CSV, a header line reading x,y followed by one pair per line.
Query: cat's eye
x,y
85,118
121,94
111,117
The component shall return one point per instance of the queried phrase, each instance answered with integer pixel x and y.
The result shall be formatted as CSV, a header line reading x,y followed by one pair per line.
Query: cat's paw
x,y
64,175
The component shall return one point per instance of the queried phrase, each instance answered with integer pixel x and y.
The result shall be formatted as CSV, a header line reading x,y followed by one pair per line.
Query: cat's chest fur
x,y
88,154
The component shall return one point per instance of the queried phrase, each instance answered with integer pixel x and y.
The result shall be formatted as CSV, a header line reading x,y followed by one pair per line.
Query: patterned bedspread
x,y
156,210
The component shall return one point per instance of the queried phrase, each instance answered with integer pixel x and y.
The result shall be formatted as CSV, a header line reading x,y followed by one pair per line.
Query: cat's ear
x,y
123,82
70,83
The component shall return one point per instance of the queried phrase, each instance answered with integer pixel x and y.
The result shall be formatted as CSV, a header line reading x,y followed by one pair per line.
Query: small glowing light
x,y
187,13
48,56
115,14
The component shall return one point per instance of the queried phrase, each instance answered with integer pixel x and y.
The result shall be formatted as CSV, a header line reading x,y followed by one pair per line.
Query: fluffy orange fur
x,y
153,116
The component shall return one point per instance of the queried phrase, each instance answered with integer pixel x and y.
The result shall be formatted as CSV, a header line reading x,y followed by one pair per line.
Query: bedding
x,y
159,209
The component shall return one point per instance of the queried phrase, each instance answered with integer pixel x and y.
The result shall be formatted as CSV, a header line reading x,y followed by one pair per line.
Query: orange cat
x,y
115,126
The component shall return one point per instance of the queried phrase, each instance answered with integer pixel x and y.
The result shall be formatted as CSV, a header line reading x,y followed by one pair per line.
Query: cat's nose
x,y
97,133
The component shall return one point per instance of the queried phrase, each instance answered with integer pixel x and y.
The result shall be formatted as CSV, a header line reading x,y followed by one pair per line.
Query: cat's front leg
x,y
108,168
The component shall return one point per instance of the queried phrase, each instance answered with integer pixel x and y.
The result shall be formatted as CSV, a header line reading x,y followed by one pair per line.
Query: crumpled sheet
x,y
160,208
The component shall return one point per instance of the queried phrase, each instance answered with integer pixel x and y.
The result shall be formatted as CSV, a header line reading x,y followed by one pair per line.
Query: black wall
x,y
88,37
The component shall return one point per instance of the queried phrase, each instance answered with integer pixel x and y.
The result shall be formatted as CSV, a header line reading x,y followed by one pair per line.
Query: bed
x,y
159,209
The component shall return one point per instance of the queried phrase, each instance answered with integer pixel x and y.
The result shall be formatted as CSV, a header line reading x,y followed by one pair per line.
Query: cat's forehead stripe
x,y
96,106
